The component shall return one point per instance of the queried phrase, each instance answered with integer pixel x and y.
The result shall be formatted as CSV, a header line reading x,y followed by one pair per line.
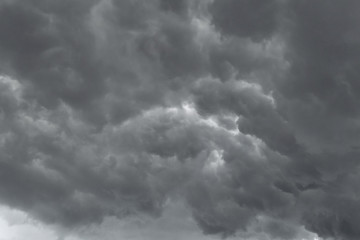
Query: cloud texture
x,y
246,111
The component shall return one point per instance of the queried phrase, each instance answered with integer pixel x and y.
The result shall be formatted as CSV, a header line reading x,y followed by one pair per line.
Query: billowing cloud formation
x,y
245,111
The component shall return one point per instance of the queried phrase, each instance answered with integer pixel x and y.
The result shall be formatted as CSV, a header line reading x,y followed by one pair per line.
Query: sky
x,y
179,119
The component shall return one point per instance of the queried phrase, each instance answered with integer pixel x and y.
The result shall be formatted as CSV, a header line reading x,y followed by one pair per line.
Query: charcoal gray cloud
x,y
244,111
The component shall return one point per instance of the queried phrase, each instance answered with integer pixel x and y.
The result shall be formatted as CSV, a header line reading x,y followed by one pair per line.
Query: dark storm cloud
x,y
84,65
244,110
174,6
245,18
322,93
39,45
314,123
323,80
75,51
54,168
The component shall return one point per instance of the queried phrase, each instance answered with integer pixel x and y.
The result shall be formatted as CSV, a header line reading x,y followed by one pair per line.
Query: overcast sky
x,y
179,119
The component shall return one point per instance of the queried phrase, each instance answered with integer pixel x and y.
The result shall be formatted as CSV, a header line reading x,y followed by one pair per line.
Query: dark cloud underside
x,y
246,111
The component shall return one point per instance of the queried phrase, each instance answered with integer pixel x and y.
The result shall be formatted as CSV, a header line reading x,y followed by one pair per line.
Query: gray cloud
x,y
254,19
244,111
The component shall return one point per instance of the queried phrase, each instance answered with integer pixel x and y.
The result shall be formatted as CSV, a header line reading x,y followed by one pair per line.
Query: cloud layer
x,y
244,111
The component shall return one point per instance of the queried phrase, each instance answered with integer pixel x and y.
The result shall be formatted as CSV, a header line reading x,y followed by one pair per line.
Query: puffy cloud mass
x,y
244,112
